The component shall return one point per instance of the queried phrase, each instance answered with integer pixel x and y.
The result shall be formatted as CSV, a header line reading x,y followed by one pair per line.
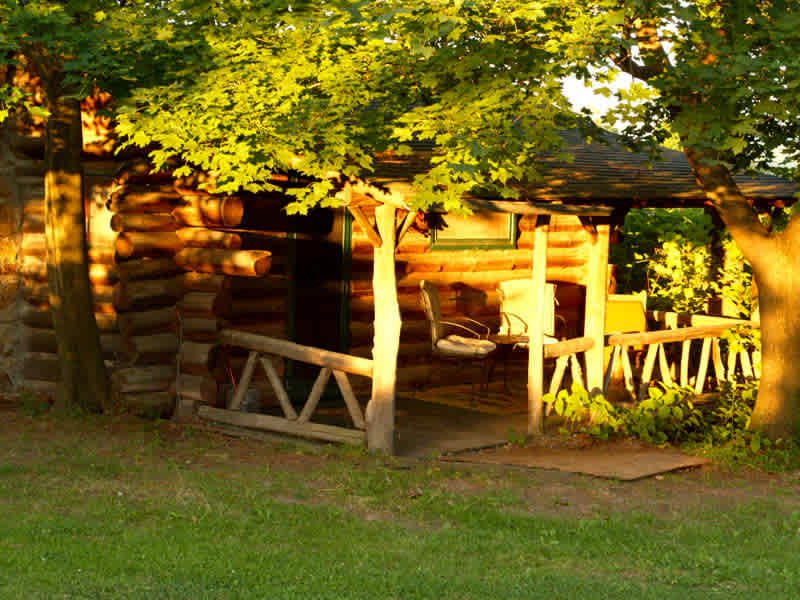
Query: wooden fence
x,y
681,329
262,348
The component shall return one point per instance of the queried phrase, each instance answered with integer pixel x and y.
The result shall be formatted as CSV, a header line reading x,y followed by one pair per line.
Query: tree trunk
x,y
83,375
777,410
776,266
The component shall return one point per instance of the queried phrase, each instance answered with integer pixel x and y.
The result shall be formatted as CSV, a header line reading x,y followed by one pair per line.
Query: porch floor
x,y
450,419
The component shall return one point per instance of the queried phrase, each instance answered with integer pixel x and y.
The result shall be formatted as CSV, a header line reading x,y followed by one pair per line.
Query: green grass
x,y
87,511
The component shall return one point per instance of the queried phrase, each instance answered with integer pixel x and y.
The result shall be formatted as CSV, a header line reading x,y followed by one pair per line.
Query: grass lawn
x,y
117,508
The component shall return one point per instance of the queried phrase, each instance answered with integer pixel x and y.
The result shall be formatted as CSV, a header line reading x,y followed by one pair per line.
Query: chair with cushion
x,y
471,345
516,296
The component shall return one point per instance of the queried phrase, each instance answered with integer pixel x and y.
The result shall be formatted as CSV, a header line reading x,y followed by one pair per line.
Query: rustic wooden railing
x,y
696,327
262,348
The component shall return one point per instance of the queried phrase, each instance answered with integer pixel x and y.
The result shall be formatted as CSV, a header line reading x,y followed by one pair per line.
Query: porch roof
x,y
603,172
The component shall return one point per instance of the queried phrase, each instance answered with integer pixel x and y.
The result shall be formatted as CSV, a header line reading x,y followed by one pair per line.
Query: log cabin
x,y
197,292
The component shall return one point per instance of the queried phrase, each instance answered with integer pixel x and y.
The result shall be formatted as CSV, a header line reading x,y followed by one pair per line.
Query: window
x,y
485,230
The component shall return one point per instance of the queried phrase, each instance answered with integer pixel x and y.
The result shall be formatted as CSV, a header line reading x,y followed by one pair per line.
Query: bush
x,y
668,253
668,416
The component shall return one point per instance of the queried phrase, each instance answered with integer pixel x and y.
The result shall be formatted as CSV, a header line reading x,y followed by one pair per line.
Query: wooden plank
x,y
747,366
665,337
328,433
293,351
316,393
558,377
716,358
350,399
596,291
615,352
387,323
277,387
647,371
531,207
627,372
702,368
676,319
685,358
731,366
537,327
244,381
403,229
663,366
366,226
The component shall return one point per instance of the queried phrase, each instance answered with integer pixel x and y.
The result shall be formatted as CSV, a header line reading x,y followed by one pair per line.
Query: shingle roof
x,y
605,172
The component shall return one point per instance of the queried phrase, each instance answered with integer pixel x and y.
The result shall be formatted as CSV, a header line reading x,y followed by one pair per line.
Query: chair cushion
x,y
455,345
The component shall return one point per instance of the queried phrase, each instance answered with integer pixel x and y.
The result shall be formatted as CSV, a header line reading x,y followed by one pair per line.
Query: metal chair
x,y
453,347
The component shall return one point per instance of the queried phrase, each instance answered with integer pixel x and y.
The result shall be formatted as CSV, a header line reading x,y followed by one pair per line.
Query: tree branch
x,y
651,53
735,210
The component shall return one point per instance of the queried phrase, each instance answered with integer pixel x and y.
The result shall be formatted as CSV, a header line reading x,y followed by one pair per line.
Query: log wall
x,y
234,261
467,281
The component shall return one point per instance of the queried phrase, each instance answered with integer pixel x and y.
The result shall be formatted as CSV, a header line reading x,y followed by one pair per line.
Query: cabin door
x,y
317,292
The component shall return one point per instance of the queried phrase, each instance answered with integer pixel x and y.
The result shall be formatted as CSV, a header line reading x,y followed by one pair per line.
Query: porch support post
x,y
380,410
536,328
595,318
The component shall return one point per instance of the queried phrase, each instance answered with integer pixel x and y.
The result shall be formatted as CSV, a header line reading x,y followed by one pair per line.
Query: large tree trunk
x,y
83,374
777,411
776,266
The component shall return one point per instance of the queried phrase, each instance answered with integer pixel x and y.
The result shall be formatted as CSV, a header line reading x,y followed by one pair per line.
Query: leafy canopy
x,y
320,88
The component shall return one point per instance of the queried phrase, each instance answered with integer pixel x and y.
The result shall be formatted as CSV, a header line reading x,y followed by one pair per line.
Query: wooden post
x,y
594,322
380,410
536,320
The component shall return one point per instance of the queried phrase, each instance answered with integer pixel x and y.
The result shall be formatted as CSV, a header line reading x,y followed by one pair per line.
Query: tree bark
x,y
776,268
83,375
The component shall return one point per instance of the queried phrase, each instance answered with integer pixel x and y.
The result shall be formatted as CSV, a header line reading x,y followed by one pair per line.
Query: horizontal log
x,y
309,354
233,308
249,263
200,237
39,316
310,430
480,280
142,349
669,335
146,293
137,198
147,268
33,244
362,332
203,210
139,244
34,205
148,321
203,304
143,222
103,255
199,329
148,404
150,378
198,388
33,223
45,340
194,357
139,172
275,328
246,287
36,269
674,319
203,282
